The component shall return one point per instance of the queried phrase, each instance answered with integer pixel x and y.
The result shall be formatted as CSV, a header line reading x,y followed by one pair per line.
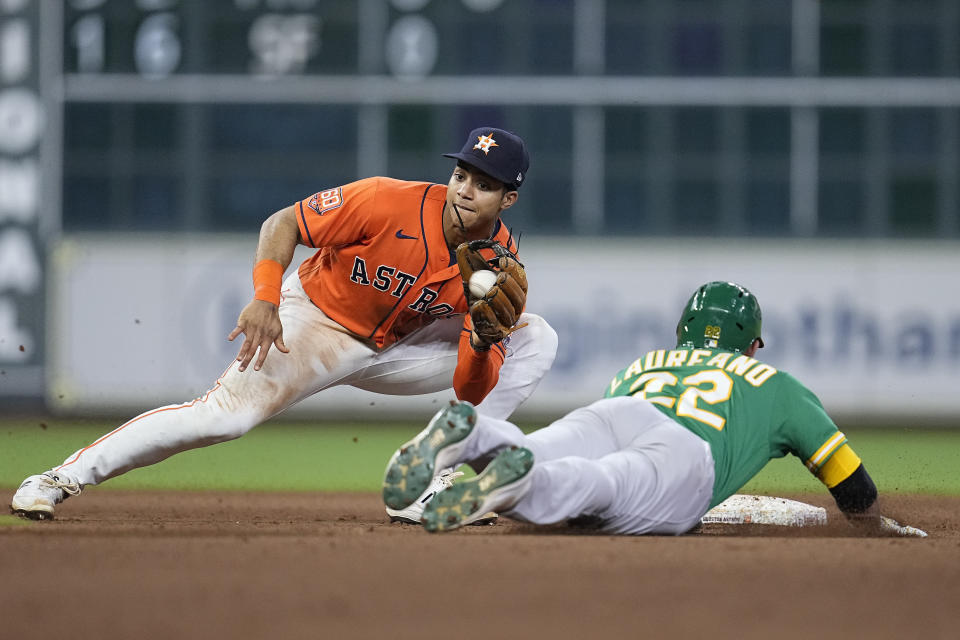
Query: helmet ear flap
x,y
681,327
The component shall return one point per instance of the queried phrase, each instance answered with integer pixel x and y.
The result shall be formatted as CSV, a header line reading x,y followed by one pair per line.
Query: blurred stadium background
x,y
809,150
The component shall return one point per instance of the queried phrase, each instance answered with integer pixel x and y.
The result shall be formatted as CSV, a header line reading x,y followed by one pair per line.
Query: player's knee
x,y
541,338
227,428
221,422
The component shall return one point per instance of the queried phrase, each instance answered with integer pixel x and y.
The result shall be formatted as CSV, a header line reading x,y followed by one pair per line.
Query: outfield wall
x,y
872,328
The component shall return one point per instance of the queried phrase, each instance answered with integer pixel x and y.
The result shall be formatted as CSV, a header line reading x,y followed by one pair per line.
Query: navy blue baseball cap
x,y
498,153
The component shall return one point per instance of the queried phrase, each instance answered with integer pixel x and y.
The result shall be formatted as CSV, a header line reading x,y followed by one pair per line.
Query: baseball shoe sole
x,y
501,485
33,511
38,495
412,467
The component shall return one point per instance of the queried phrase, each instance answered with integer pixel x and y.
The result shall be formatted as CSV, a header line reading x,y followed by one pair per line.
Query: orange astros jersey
x,y
383,269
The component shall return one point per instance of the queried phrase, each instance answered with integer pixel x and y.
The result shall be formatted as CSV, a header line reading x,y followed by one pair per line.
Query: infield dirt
x,y
146,565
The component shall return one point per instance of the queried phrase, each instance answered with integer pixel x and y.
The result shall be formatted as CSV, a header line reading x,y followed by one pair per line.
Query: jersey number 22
x,y
712,386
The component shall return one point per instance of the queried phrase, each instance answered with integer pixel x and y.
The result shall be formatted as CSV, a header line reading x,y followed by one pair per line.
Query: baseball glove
x,y
495,314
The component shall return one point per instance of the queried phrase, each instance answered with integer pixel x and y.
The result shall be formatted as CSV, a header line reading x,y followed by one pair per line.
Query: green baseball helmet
x,y
720,315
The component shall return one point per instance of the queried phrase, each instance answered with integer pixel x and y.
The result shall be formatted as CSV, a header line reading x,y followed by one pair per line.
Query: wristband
x,y
267,276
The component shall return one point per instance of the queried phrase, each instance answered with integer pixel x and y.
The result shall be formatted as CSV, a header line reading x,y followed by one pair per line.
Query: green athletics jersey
x,y
748,411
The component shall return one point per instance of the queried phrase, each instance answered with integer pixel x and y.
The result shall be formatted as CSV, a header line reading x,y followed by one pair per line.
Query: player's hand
x,y
872,523
260,323
889,525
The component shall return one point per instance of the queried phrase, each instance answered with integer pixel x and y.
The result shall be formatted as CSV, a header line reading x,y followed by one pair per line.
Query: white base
x,y
743,509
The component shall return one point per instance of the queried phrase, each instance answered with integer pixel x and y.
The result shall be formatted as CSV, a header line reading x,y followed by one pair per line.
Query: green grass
x,y
13,521
899,461
296,456
276,456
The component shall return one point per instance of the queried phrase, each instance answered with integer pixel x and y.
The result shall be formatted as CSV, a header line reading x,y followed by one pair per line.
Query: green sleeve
x,y
805,428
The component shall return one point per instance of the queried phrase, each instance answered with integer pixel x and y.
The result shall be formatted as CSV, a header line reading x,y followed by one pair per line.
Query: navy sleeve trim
x,y
306,227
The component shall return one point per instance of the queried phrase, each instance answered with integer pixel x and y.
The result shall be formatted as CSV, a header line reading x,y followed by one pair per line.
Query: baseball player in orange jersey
x,y
379,306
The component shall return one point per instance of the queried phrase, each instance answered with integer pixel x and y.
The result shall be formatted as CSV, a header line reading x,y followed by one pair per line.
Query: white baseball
x,y
481,282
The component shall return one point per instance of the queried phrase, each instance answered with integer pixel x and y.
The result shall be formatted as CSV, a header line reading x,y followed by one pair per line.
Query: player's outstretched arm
x,y
260,319
856,497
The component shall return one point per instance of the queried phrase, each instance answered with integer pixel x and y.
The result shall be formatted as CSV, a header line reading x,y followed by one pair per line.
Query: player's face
x,y
478,199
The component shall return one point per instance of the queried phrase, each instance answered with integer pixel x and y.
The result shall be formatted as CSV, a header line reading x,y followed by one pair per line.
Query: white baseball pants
x,y
619,460
322,355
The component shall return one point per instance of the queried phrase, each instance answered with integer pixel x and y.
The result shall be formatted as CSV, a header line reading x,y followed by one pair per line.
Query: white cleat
x,y
38,495
412,514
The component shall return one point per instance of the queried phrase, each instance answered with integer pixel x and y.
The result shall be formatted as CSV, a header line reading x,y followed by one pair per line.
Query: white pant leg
x,y
566,485
584,432
658,480
424,362
530,354
321,355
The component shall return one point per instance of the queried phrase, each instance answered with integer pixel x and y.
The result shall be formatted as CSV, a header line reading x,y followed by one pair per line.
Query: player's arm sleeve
x,y
339,215
844,475
824,449
477,372
856,493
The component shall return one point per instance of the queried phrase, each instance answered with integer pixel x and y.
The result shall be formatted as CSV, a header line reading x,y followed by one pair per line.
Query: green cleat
x,y
414,465
501,485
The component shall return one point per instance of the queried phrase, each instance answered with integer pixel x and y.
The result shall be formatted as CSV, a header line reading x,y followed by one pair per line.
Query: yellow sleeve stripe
x,y
839,467
824,451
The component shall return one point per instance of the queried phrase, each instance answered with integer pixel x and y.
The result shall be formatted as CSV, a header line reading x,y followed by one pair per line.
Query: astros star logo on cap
x,y
485,142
